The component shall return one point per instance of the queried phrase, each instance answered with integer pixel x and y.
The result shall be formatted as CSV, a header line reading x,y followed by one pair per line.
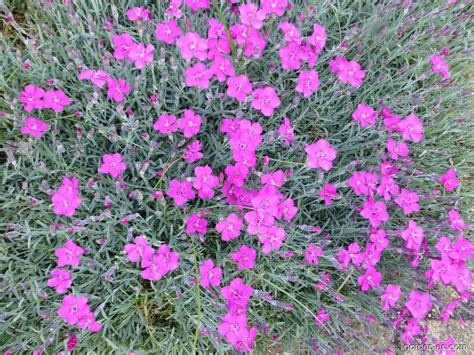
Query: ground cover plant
x,y
214,176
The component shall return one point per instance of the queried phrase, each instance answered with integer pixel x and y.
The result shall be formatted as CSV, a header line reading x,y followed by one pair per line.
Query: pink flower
x,y
365,115
139,250
167,31
411,128
265,100
320,155
230,227
87,321
387,188
163,262
73,308
397,150
190,123
56,100
287,209
448,346
245,343
312,253
318,38
413,236
244,257
193,152
174,9
291,32
276,7
286,131
210,275
419,304
440,66
391,296
363,183
348,71
195,5
449,180
234,328
375,212
321,318
192,46
236,174
141,54
308,82
31,97
251,16
237,293
138,14
222,68
371,279
165,124
196,224
408,201
456,221
112,164
99,78
204,181
66,199
180,191
69,254
239,87
117,89
198,75
290,56
122,45
328,193
60,279
34,127
272,238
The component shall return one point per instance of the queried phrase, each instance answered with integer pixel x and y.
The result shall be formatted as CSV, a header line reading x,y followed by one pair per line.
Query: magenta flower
x,y
291,33
308,82
318,38
167,31
181,191
117,89
141,54
413,236
204,182
234,328
321,318
173,9
449,180
287,210
320,155
122,44
239,87
440,66
99,78
87,321
60,279
371,279
365,115
163,262
112,164
196,224
328,193
56,100
196,5
73,308
363,183
230,227
408,201
138,14
276,7
375,212
244,257
456,221
165,124
291,56
448,346
139,250
251,16
348,71
391,296
192,46
69,254
272,238
34,127
286,131
312,253
265,100
411,128
245,344
198,76
193,152
222,68
190,123
419,304
237,293
65,202
236,174
210,275
397,150
31,97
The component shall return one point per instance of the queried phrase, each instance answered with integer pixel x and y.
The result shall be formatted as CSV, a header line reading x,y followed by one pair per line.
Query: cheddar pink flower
x,y
318,38
312,253
237,293
139,250
265,100
244,257
196,224
419,304
365,115
210,274
167,31
69,254
196,5
112,164
239,87
117,89
276,7
31,97
308,82
391,296
60,279
370,279
34,127
291,32
450,180
375,212
411,128
290,56
192,46
328,193
204,182
73,308
440,66
320,155
348,71
251,16
138,14
190,123
456,221
180,191
198,76
408,201
141,54
165,124
230,227
56,100
122,44
397,150
99,78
